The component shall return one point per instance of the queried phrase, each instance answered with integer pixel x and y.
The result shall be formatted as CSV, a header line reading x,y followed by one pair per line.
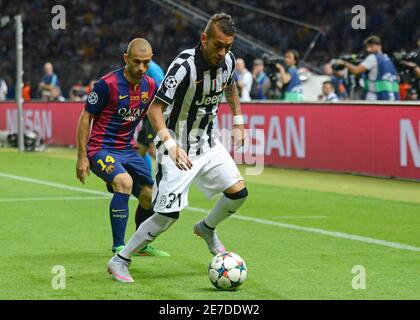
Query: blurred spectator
x,y
50,85
243,80
412,94
26,91
3,89
341,84
381,82
409,71
261,83
413,66
292,87
328,93
338,79
96,30
155,71
91,85
79,92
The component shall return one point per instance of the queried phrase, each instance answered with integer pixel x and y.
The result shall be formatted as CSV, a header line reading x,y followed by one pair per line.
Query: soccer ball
x,y
227,271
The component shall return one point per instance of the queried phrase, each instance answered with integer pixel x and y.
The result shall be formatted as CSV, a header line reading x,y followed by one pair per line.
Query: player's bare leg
x,y
228,204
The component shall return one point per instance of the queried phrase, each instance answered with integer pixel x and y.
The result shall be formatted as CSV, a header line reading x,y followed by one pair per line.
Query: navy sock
x,y
142,215
118,211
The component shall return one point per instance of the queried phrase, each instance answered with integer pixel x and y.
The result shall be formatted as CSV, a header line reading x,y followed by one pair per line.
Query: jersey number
x,y
172,198
108,159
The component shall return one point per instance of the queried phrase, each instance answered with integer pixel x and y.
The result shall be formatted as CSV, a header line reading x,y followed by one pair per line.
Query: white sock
x,y
146,233
222,210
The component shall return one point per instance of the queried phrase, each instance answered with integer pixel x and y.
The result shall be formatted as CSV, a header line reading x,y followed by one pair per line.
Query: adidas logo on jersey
x,y
209,100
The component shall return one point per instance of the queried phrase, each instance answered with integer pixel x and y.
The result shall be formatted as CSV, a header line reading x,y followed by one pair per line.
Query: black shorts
x,y
146,133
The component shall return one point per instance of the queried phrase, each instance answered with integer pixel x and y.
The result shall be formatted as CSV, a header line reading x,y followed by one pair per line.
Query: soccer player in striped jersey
x,y
114,108
183,114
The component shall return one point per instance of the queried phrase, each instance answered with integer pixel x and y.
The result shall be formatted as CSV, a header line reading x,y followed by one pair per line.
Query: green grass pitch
x,y
298,236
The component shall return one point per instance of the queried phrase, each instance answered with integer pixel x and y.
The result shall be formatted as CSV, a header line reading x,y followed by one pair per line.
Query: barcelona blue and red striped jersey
x,y
118,107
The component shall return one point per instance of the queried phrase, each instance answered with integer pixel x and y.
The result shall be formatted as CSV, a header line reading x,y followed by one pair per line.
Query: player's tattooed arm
x,y
83,128
232,97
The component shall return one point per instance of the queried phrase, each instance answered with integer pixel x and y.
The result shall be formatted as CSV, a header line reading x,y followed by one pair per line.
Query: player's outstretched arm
x,y
232,98
178,155
83,128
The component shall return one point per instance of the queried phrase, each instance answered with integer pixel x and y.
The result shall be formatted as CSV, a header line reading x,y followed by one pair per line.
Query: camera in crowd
x,y
400,56
406,72
351,58
32,140
270,62
270,68
351,81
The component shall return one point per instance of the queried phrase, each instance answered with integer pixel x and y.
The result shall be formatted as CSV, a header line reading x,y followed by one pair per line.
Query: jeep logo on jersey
x,y
209,100
130,114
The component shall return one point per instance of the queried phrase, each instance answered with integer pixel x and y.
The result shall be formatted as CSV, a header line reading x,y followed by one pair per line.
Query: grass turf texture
x,y
282,263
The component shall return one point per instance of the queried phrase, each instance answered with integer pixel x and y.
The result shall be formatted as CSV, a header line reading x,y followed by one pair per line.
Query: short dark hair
x,y
223,21
372,40
295,54
258,61
327,82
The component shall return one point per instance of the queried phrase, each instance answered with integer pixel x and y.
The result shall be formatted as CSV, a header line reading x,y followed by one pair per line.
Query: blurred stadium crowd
x,y
97,33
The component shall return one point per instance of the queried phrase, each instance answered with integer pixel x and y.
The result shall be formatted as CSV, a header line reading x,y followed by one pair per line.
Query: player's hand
x,y
238,136
82,168
180,158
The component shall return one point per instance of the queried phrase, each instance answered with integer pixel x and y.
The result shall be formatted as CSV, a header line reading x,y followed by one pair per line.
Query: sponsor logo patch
x,y
171,82
162,201
144,97
93,98
109,169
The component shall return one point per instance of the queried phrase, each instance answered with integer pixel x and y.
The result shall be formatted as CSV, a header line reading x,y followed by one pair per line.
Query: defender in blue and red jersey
x,y
116,105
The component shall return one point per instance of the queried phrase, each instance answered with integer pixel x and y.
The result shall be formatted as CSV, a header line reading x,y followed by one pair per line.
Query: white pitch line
x,y
300,217
384,243
50,199
334,234
51,184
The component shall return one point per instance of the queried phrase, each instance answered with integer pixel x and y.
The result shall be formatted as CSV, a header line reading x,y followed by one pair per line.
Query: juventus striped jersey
x,y
192,91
